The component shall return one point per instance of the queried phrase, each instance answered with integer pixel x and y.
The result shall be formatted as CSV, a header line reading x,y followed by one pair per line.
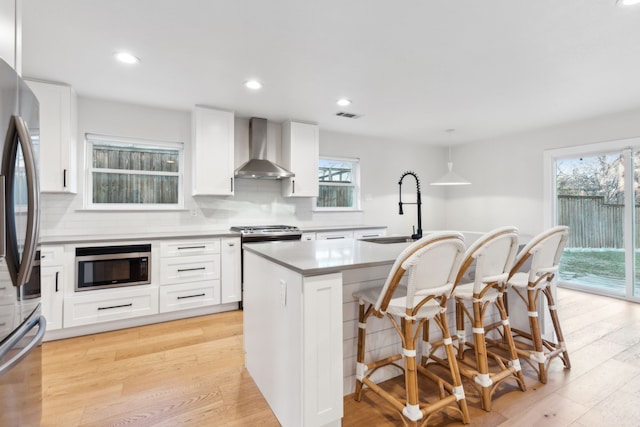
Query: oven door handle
x,y
35,319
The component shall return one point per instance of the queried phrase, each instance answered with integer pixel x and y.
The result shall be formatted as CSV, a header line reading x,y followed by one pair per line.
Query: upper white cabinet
x,y
300,153
9,42
58,137
213,152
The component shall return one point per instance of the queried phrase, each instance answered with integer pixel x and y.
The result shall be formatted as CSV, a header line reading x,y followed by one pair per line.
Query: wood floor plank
x,y
191,373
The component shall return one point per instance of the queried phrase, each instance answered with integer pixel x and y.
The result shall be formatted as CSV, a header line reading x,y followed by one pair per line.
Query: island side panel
x,y
293,341
273,335
323,376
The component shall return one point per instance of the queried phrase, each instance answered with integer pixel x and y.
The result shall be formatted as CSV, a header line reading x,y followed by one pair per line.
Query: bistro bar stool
x,y
432,264
487,264
544,252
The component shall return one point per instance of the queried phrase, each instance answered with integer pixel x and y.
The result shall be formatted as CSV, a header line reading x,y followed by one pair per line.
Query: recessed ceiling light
x,y
253,84
343,102
126,58
628,2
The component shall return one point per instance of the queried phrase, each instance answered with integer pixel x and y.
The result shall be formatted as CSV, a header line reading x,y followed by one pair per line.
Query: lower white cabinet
x,y
231,270
189,295
110,304
334,235
51,284
369,233
189,269
190,274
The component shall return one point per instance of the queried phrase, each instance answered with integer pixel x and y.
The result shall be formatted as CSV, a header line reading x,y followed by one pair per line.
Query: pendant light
x,y
450,178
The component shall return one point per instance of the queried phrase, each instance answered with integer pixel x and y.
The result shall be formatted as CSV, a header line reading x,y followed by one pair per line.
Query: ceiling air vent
x,y
348,115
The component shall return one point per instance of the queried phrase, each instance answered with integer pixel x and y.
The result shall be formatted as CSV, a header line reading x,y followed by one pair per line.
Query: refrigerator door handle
x,y
3,219
35,319
33,189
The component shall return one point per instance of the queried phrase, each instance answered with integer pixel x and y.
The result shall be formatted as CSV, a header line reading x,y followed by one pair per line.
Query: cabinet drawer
x,y
189,269
189,247
189,295
106,306
331,235
369,233
51,255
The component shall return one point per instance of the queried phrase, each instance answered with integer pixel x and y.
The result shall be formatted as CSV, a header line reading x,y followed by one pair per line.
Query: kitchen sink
x,y
389,239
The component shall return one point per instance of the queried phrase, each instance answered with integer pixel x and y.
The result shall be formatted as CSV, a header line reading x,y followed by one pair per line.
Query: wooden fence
x,y
594,223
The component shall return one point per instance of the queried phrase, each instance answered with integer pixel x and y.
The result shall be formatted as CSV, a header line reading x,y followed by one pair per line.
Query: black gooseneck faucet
x,y
417,234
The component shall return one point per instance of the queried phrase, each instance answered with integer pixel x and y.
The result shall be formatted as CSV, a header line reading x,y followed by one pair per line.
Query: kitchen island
x,y
300,322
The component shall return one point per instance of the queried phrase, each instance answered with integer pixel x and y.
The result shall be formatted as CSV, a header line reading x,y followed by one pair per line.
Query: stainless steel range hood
x,y
258,167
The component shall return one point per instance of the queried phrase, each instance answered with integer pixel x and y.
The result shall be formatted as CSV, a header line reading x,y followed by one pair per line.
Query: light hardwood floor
x,y
190,373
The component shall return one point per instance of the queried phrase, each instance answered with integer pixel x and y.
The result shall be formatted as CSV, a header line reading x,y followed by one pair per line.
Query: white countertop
x,y
113,237
315,257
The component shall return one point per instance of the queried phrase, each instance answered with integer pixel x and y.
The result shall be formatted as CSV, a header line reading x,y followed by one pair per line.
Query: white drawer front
x,y
189,247
89,309
189,295
189,269
334,235
51,255
369,233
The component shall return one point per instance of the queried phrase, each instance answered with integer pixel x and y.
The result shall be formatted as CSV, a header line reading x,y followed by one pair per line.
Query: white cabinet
x,y
369,233
189,274
213,152
9,42
52,285
334,235
51,280
231,283
308,236
58,134
300,154
110,304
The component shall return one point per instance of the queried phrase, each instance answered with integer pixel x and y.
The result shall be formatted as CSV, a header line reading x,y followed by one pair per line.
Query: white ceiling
x,y
413,68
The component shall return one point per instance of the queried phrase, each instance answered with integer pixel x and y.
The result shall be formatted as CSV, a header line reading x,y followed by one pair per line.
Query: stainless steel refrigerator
x,y
21,324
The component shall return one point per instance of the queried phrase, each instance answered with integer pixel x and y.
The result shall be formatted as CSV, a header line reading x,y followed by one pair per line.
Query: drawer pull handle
x,y
191,296
231,244
116,306
369,235
335,237
180,270
57,275
191,247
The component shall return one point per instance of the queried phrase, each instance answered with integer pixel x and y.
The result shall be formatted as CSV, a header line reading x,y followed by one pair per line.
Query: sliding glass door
x,y
595,193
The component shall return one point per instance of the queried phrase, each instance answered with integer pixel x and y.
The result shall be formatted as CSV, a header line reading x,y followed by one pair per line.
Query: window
x,y
339,181
126,173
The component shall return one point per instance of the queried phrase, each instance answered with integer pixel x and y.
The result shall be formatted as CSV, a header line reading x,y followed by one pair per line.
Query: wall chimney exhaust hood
x,y
258,167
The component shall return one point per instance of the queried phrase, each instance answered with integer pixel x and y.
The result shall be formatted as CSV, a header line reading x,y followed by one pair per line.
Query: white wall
x,y
255,201
507,173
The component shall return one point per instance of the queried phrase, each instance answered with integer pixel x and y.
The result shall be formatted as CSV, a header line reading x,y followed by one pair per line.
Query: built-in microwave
x,y
112,266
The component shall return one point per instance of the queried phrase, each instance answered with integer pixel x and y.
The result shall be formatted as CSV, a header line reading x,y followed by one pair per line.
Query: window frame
x,y
91,139
356,171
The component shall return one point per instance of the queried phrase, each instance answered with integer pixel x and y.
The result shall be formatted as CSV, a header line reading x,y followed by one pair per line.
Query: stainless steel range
x,y
265,233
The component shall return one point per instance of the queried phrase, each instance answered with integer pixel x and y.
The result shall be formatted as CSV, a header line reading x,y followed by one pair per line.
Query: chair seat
x,y
465,291
398,304
519,280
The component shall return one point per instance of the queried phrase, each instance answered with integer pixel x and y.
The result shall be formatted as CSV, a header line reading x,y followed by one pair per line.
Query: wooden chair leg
x,y
412,408
360,365
453,367
460,329
536,337
556,326
508,338
482,378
